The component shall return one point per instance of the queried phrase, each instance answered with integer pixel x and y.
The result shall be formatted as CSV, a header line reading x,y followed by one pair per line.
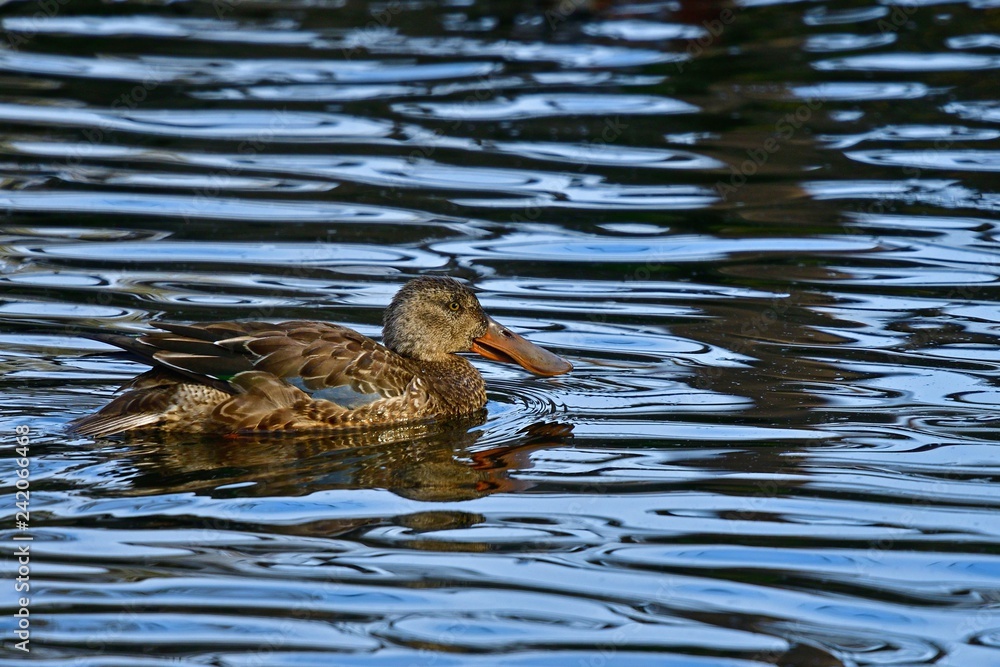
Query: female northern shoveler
x,y
241,377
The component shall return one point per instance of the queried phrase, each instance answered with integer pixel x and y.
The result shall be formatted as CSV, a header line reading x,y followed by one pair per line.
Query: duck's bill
x,y
502,344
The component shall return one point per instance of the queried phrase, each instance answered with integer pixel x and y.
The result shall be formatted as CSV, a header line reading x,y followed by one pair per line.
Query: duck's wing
x,y
190,350
316,357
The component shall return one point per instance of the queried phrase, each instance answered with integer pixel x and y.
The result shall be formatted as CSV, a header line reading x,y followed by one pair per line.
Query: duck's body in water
x,y
239,377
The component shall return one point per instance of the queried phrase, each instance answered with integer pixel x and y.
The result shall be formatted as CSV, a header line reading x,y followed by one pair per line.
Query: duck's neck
x,y
455,383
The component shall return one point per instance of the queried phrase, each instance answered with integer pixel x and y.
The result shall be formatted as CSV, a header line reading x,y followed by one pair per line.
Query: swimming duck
x,y
246,377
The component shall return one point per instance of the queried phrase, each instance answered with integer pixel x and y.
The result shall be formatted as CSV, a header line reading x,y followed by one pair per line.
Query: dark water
x,y
766,234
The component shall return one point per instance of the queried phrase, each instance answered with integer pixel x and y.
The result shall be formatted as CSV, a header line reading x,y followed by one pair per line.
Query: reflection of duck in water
x,y
436,461
244,377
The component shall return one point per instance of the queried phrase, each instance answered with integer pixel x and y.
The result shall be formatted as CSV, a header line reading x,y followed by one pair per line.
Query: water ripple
x,y
258,126
542,106
294,254
605,154
177,206
593,248
643,31
568,55
160,27
911,62
835,91
964,160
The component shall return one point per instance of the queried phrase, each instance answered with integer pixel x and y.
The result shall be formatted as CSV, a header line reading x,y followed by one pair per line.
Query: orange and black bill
x,y
502,344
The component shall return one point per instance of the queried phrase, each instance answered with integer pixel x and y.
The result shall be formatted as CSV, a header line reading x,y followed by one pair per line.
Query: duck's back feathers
x,y
322,355
242,376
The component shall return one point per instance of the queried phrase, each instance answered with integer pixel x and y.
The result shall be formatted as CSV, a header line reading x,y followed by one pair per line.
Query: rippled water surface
x,y
765,233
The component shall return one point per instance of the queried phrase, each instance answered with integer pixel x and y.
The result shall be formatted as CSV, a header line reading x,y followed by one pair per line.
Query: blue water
x,y
765,234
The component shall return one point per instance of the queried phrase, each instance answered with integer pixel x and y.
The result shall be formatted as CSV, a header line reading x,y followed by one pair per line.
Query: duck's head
x,y
433,317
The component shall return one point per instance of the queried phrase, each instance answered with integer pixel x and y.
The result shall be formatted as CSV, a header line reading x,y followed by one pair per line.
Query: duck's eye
x,y
454,306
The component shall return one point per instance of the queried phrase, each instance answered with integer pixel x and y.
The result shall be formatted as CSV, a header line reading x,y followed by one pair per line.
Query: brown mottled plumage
x,y
242,377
